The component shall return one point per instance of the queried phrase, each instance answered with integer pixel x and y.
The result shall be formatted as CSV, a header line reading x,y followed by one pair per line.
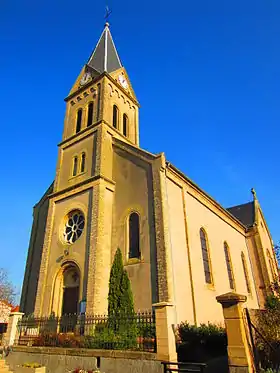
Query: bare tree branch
x,y
7,289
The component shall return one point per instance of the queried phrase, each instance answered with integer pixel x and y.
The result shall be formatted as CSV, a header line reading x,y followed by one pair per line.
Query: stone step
x,y
5,370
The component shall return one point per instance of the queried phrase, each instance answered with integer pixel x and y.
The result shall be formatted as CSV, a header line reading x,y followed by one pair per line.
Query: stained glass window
x,y
205,257
74,226
229,267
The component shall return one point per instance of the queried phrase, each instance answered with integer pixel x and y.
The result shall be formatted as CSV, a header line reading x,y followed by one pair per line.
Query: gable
x,y
245,213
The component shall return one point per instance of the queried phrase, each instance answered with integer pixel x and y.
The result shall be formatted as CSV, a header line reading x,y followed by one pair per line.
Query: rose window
x,y
74,226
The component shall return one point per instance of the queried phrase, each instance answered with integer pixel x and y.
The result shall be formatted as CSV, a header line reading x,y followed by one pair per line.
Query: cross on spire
x,y
108,13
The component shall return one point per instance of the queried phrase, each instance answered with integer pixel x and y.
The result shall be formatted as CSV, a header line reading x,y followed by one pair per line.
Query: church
x,y
179,245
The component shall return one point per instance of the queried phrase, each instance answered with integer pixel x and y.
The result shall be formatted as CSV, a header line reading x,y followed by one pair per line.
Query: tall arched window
x,y
205,257
245,269
125,124
134,236
98,101
79,120
115,116
90,114
229,266
273,274
75,166
83,162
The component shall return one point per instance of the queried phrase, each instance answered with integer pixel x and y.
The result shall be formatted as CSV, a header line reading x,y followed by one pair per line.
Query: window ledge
x,y
134,261
210,287
76,176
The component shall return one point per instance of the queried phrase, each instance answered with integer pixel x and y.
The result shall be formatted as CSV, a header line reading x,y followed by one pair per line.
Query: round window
x,y
73,228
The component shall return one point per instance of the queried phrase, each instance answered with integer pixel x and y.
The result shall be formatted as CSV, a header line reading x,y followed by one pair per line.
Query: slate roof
x,y
245,213
105,56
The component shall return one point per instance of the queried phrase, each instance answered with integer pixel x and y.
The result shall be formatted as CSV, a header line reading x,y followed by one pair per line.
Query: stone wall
x,y
62,360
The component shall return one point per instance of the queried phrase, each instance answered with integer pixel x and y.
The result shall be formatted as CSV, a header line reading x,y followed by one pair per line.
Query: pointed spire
x,y
105,56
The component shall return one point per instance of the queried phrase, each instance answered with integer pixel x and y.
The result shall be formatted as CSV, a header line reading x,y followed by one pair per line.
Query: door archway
x,y
71,288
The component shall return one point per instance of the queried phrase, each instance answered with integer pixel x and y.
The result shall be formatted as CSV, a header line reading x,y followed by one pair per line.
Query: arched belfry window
x,y
246,275
115,116
83,162
75,166
134,236
229,266
79,120
125,125
90,114
205,256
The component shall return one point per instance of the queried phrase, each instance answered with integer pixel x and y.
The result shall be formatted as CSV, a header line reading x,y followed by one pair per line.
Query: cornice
x,y
96,80
134,150
79,136
80,90
80,184
122,89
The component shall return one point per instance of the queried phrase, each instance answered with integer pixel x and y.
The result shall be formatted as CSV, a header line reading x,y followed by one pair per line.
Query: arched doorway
x,y
71,288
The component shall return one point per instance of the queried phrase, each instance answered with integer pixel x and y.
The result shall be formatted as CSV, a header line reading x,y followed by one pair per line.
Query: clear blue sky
x,y
207,75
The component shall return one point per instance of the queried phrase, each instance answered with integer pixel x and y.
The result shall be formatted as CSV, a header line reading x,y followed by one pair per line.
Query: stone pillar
x,y
99,264
166,343
239,357
11,336
163,245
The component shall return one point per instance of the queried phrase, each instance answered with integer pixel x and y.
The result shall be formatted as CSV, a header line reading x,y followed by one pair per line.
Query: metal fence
x,y
126,332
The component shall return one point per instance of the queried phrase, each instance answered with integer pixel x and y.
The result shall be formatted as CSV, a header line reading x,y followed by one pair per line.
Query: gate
x,y
268,357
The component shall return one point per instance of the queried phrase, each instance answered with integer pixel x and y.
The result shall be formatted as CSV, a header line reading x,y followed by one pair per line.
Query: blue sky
x,y
207,75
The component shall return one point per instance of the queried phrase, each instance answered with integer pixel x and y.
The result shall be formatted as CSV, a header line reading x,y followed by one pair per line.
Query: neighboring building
x,y
5,310
179,245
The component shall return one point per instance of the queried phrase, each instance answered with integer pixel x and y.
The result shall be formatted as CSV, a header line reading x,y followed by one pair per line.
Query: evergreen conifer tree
x,y
115,286
121,318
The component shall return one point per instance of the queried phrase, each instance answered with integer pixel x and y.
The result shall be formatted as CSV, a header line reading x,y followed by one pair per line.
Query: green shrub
x,y
201,343
146,330
107,339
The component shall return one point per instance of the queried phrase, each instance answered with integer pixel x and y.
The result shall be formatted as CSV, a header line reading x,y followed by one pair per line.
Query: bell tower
x,y
104,82
101,109
102,94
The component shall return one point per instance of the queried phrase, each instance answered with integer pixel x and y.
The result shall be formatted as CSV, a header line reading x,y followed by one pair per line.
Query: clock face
x,y
85,79
123,81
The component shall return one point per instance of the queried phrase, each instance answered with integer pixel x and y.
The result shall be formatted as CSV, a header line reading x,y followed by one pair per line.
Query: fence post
x,y
166,343
239,356
11,335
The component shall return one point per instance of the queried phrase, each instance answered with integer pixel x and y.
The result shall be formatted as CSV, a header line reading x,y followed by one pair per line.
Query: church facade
x,y
178,244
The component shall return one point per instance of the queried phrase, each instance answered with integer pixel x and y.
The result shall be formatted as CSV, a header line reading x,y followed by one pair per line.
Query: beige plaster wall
x,y
77,251
181,273
201,214
133,193
218,231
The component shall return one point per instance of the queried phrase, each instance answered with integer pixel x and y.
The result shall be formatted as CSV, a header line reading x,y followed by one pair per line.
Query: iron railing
x,y
126,332
266,356
169,367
